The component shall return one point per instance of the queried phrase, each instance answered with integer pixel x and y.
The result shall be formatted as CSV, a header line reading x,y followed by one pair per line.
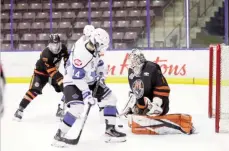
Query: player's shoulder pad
x,y
152,66
100,63
46,55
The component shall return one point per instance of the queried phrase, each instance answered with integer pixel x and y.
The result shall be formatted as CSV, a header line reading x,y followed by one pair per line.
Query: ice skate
x,y
114,136
18,115
59,140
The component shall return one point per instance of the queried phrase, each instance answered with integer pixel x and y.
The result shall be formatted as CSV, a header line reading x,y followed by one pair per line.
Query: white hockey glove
x,y
129,105
87,97
154,107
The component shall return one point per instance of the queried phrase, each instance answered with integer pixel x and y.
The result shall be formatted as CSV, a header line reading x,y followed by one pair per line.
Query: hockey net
x,y
219,87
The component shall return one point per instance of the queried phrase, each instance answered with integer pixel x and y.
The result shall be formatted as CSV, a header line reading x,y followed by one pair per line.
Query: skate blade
x,y
109,139
16,119
58,144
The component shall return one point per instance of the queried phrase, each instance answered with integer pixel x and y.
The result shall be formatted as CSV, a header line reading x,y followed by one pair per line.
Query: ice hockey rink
x,y
35,132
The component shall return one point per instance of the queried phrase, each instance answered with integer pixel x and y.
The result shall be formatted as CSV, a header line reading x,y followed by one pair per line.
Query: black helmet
x,y
54,38
54,43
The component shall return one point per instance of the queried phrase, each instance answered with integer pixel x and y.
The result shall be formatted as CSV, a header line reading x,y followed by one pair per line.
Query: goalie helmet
x,y
137,60
100,39
54,43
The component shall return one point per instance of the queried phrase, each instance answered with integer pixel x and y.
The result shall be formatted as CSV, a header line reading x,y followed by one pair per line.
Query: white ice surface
x,y
35,132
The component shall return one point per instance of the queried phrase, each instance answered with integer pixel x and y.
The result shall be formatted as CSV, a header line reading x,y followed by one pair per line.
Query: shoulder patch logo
x,y
36,84
146,73
78,62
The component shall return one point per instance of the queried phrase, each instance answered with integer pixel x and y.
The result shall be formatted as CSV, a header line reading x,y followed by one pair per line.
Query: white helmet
x,y
88,29
100,39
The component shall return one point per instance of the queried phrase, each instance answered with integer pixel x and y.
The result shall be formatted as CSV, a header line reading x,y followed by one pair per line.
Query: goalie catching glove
x,y
150,108
154,107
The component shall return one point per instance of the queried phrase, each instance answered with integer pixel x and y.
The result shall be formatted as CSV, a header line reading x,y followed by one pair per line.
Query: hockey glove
x,y
101,80
87,97
154,107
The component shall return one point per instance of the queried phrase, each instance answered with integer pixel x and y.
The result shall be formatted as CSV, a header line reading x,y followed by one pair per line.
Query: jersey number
x,y
77,74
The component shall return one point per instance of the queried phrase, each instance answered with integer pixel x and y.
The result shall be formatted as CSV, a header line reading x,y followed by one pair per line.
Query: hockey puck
x,y
120,125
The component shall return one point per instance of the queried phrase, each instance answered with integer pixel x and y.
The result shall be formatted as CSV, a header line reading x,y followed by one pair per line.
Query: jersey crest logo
x,y
78,62
138,88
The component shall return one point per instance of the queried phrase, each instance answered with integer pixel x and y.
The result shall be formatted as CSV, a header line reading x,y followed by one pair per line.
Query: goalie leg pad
x,y
160,125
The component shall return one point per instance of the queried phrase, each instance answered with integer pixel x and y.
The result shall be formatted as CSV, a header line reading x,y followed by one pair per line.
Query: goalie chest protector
x,y
144,84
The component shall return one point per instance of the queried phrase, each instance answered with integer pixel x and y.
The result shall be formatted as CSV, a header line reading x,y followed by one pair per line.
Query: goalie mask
x,y
137,60
54,43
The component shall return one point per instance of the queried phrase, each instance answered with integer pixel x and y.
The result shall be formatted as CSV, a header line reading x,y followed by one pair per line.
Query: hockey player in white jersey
x,y
82,71
87,31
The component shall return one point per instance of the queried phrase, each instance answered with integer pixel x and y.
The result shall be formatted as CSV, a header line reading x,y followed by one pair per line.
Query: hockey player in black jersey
x,y
46,71
149,89
2,86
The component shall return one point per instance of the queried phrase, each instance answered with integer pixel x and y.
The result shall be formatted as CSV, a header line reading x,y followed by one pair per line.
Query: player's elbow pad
x,y
101,69
78,73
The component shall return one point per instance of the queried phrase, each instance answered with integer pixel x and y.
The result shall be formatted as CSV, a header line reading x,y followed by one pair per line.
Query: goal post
x,y
218,103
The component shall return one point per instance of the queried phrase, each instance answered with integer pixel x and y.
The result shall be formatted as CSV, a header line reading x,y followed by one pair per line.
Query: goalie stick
x,y
76,140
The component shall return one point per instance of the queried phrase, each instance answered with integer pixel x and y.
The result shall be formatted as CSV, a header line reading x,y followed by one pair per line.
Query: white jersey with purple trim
x,y
81,67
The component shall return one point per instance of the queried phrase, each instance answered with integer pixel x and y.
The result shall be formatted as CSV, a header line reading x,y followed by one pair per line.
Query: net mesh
x,y
224,87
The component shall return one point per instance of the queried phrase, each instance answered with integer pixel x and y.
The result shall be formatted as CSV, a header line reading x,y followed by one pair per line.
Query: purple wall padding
x,y
50,15
110,29
11,25
89,12
148,21
226,22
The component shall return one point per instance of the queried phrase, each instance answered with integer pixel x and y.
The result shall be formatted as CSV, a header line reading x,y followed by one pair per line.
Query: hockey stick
x,y
117,114
76,141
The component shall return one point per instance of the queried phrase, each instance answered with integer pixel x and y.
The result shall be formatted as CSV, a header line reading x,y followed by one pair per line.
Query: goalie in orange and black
x,y
46,71
149,95
148,86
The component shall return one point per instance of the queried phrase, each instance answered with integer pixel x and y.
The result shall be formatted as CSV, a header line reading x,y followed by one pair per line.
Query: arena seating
x,y
31,21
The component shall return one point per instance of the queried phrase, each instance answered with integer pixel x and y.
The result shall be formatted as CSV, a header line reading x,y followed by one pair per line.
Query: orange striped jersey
x,y
150,83
48,63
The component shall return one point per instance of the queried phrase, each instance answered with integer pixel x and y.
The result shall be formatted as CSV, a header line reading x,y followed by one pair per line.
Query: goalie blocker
x,y
161,125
